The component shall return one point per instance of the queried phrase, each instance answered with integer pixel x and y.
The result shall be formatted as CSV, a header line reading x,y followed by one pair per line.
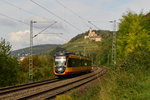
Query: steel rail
x,y
33,87
25,86
82,82
52,92
11,88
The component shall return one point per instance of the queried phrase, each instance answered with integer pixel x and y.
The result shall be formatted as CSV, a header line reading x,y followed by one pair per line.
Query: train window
x,y
69,62
89,63
78,62
82,62
72,62
60,61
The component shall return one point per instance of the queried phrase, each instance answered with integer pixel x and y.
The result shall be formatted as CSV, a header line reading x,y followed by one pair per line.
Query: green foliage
x,y
133,43
42,68
47,66
4,47
9,67
57,49
25,63
133,65
104,52
137,60
121,85
146,22
78,37
132,34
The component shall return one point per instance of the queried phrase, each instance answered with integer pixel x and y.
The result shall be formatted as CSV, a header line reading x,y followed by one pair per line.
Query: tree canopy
x,y
8,65
133,33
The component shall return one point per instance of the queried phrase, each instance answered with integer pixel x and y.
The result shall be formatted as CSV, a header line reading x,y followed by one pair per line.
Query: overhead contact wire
x,y
14,19
56,15
73,13
89,22
28,12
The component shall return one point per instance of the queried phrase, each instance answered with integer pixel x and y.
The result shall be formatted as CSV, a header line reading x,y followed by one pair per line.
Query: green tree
x,y
9,67
133,42
132,34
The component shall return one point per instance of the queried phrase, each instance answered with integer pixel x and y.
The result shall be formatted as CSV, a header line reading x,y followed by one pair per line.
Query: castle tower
x,y
92,36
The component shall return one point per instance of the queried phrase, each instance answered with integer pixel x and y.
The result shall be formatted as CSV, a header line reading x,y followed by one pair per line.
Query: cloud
x,y
21,39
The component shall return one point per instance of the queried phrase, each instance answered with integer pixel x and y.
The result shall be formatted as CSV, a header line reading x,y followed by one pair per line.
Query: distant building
x,y
93,36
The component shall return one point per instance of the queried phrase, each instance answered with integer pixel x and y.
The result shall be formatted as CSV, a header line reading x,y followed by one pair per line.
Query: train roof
x,y
68,54
64,54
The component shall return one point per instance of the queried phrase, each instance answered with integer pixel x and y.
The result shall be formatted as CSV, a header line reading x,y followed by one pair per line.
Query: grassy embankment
x,y
116,85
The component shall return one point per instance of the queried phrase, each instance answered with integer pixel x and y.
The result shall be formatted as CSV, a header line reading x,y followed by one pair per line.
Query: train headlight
x,y
60,69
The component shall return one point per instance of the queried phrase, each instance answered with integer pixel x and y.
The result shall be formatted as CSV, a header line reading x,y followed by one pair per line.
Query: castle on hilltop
x,y
92,36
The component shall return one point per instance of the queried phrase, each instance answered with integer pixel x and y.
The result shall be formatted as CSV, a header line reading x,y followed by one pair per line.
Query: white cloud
x,y
21,39
48,39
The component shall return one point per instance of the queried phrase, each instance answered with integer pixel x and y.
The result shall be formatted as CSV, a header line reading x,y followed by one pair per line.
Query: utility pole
x,y
114,42
31,44
30,57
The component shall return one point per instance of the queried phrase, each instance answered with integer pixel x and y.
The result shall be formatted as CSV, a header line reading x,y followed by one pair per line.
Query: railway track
x,y
48,89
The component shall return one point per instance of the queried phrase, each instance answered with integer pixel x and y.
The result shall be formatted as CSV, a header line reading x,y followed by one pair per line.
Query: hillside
x,y
38,49
103,33
87,47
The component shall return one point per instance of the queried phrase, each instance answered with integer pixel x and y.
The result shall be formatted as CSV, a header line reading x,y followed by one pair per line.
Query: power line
x,y
55,15
78,16
62,38
44,29
17,20
11,4
14,19
93,24
73,13
28,12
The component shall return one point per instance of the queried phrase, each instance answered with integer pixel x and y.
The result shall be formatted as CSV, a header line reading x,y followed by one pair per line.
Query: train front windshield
x,y
60,61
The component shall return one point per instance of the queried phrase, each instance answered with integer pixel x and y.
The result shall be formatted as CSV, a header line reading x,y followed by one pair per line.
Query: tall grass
x,y
121,85
117,84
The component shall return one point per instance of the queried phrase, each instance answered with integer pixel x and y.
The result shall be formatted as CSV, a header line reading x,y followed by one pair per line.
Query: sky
x,y
60,19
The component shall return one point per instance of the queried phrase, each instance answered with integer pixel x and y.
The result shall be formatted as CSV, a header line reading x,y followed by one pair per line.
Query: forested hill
x,y
38,49
86,47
